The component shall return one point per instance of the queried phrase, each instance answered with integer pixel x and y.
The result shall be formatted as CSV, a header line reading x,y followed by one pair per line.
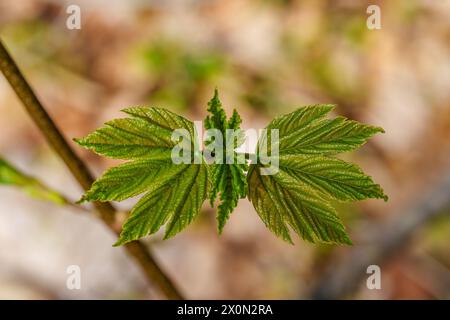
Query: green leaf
x,y
283,201
299,194
11,176
218,118
306,132
132,178
332,177
176,202
174,193
228,180
147,134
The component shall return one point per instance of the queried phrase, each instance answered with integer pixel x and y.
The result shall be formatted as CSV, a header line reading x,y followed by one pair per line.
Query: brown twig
x,y
136,249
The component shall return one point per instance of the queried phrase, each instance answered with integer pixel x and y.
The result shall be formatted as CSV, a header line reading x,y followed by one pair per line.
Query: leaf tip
x,y
220,226
330,107
379,130
347,241
124,238
381,194
168,235
289,241
83,199
127,110
214,101
78,141
120,242
170,231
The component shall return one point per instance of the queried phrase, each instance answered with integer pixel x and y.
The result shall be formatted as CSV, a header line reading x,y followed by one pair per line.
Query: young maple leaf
x,y
174,193
309,178
228,179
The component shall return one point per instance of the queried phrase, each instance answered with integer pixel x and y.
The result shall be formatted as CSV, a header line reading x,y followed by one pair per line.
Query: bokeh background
x,y
267,57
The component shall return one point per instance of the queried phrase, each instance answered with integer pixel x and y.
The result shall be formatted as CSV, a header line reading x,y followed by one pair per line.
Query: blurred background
x,y
267,57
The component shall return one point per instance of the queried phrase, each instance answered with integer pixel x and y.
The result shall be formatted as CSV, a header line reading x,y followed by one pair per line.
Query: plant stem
x,y
136,249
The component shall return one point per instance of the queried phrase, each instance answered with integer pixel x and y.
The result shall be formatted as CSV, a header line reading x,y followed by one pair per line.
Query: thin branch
x,y
136,249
